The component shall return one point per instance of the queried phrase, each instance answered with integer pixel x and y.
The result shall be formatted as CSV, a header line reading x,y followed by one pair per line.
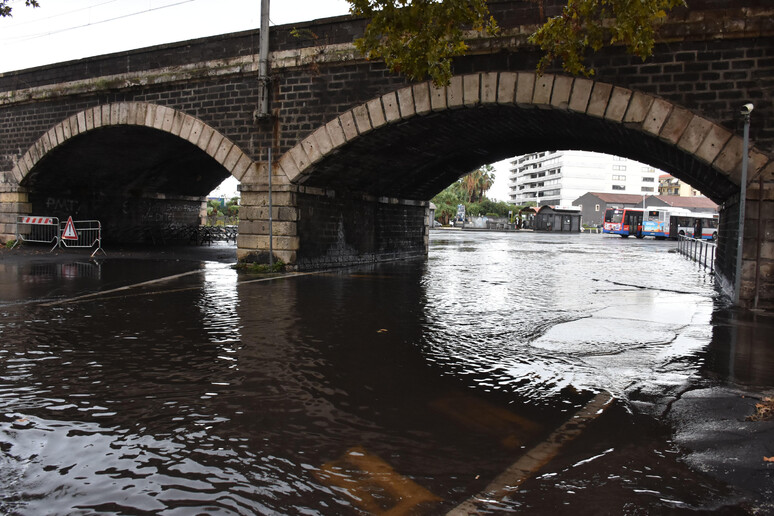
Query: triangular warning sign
x,y
69,231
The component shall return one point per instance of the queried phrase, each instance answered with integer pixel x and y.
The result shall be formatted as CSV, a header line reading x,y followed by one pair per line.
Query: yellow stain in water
x,y
374,486
482,417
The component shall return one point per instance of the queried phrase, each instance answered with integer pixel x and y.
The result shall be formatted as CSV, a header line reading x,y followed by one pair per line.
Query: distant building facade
x,y
557,178
670,185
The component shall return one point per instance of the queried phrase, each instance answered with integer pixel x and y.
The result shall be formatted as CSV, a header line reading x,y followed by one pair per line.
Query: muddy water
x,y
408,386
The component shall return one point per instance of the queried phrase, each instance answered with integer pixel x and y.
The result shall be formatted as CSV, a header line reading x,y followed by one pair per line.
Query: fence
x,y
44,230
88,233
698,250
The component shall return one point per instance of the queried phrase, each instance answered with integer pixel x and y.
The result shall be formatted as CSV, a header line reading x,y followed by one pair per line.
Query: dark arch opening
x,y
136,180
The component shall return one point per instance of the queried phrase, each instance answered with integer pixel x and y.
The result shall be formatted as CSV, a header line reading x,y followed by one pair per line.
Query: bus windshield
x,y
616,216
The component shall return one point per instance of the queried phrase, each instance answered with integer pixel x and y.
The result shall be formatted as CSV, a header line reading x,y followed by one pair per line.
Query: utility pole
x,y
263,64
746,110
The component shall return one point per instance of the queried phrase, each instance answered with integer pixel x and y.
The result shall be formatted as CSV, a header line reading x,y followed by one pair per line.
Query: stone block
x,y
675,125
185,130
322,141
231,159
489,87
289,167
422,102
471,93
241,166
638,109
437,98
223,151
406,102
506,88
657,115
581,92
713,143
299,157
729,161
312,149
336,133
206,135
280,243
391,107
618,103
600,95
214,144
541,96
362,122
525,87
14,197
196,131
89,114
347,121
455,94
694,134
560,96
376,113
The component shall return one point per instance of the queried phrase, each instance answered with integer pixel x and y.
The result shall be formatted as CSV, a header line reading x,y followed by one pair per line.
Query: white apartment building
x,y
557,178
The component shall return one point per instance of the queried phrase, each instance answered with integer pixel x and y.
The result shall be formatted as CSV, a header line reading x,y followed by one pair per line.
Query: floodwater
x,y
529,373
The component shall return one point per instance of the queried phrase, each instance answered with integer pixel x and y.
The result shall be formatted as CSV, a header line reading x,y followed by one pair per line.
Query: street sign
x,y
69,231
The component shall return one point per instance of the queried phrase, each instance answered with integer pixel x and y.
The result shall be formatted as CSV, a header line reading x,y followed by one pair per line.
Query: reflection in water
x,y
406,386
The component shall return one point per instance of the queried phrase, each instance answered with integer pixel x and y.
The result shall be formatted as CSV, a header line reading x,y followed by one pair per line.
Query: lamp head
x,y
747,109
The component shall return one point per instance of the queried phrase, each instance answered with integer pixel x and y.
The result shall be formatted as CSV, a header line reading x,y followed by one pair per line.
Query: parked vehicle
x,y
658,222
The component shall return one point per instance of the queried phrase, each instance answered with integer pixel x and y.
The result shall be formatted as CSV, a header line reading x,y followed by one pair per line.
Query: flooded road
x,y
564,374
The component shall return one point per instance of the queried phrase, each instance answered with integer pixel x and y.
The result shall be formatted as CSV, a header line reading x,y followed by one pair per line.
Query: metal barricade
x,y
88,233
44,230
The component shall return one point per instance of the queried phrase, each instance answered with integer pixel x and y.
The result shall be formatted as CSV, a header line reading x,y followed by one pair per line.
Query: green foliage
x,y
5,9
418,38
593,24
261,268
470,190
10,244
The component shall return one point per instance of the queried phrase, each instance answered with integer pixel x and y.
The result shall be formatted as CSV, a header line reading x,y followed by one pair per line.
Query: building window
x,y
619,167
596,207
619,187
619,178
647,189
647,179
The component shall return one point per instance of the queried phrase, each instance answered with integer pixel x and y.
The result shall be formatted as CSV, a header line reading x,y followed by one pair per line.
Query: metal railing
x,y
44,230
698,250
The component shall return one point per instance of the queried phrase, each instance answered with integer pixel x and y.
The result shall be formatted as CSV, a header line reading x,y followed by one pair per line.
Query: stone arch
x,y
709,143
143,114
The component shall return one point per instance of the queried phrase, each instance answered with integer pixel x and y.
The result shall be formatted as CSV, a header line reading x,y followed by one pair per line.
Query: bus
x,y
659,222
624,222
698,225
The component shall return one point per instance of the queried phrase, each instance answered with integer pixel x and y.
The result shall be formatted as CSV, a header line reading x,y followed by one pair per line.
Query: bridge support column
x,y
13,202
757,282
318,228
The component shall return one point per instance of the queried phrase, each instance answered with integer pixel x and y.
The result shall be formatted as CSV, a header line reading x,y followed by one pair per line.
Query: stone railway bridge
x,y
137,139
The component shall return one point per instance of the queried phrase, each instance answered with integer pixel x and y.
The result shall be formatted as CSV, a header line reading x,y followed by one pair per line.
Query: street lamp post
x,y
746,110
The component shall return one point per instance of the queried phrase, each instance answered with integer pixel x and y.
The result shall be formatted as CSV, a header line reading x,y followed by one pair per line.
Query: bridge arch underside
x,y
399,166
142,184
419,157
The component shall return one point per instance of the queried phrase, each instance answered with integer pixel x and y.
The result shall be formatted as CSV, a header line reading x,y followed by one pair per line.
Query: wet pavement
x,y
164,382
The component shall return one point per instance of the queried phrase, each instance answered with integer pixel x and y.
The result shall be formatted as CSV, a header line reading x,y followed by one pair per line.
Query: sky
x,y
65,30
